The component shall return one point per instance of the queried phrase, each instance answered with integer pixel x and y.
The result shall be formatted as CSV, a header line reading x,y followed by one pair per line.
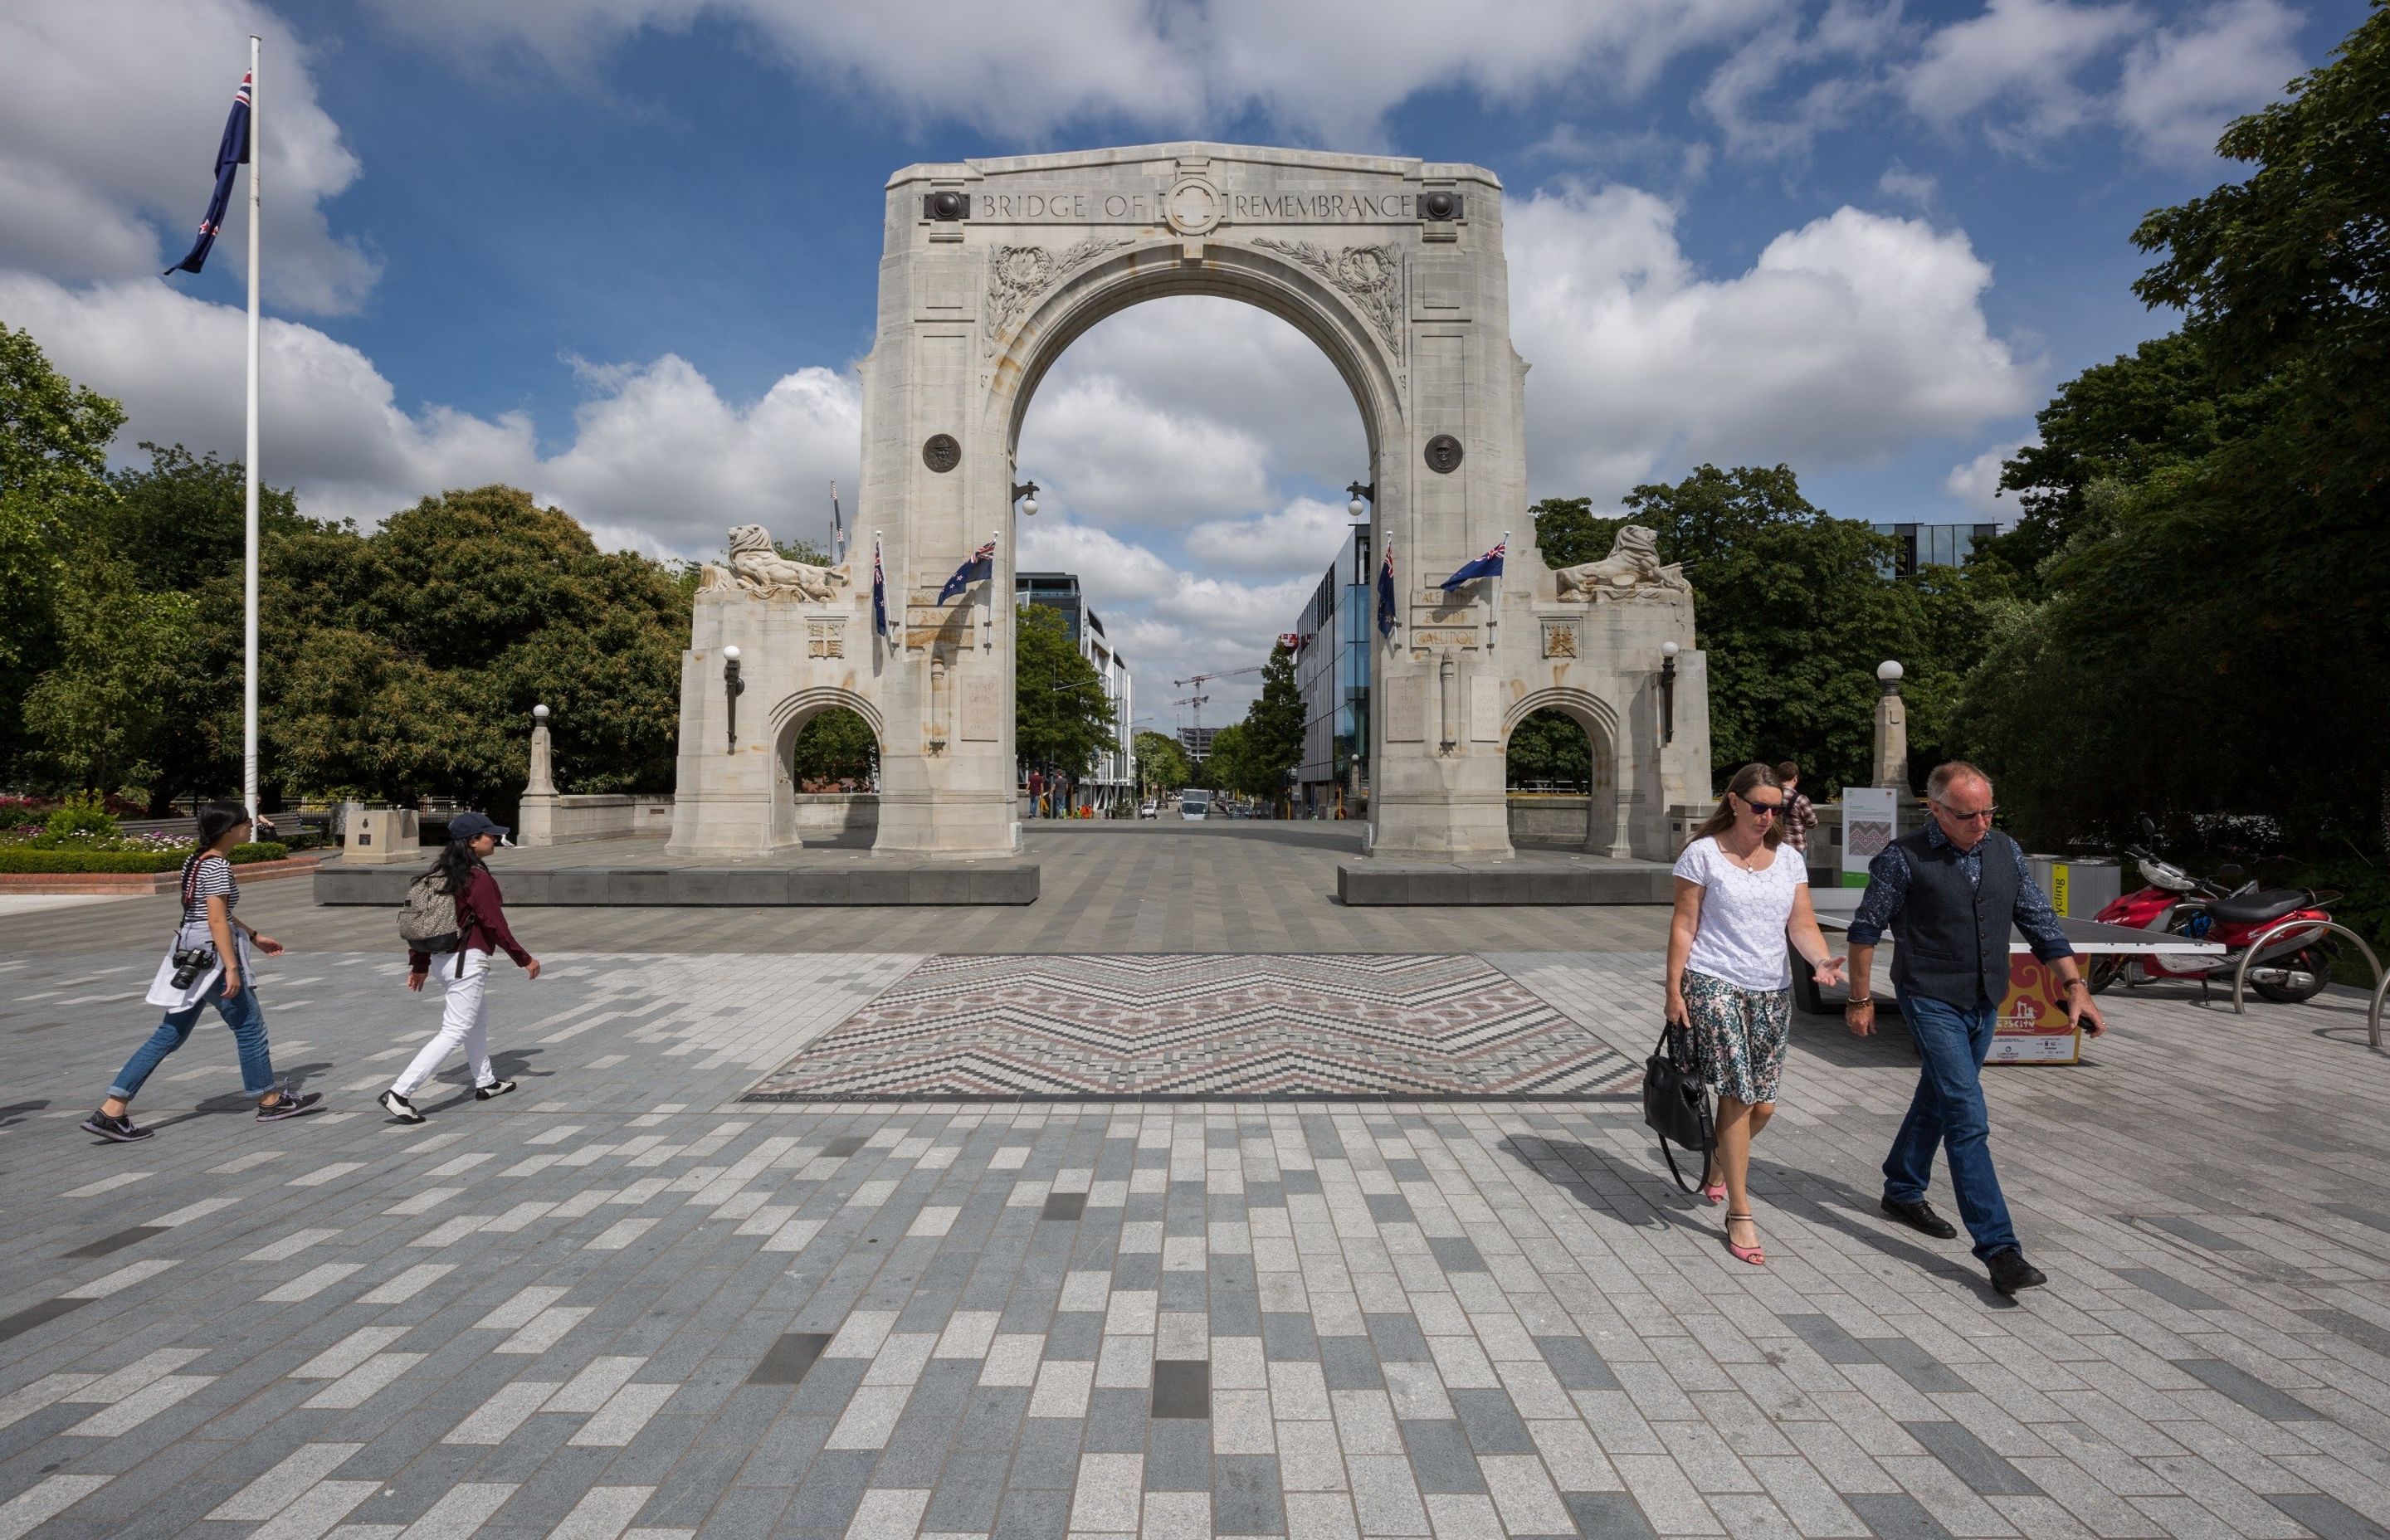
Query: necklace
x,y
1740,860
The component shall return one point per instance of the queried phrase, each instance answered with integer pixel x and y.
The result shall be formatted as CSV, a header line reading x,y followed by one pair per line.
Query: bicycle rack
x,y
2257,945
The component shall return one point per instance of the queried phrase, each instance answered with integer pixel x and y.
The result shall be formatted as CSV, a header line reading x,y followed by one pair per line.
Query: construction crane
x,y
1197,701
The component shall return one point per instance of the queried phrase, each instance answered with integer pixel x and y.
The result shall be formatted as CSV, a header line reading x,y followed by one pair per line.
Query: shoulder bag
x,y
1677,1102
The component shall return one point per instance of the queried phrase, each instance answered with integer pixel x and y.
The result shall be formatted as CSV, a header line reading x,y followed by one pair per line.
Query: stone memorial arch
x,y
991,269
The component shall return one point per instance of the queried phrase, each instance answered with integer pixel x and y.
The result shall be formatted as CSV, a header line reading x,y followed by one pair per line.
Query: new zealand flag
x,y
980,566
1386,593
233,153
1488,565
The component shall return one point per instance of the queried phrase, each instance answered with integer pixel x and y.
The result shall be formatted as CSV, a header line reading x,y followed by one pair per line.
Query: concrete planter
x,y
128,884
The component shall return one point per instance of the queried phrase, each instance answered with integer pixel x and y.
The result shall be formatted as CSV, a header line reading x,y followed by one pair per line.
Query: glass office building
x,y
1934,544
1332,670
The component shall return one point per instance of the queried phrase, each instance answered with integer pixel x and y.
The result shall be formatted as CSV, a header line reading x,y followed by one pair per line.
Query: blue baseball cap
x,y
468,825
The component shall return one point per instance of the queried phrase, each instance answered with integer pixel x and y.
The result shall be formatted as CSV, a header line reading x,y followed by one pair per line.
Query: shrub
x,y
32,859
81,818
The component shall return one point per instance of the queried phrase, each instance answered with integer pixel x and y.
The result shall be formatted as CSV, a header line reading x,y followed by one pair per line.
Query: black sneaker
x,y
2012,1272
290,1105
400,1107
116,1130
494,1089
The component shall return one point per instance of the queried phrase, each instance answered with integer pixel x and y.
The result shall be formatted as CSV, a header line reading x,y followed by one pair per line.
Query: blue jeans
x,y
241,1013
1948,1111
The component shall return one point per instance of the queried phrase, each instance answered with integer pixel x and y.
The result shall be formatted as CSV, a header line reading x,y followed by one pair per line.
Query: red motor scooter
x,y
2294,964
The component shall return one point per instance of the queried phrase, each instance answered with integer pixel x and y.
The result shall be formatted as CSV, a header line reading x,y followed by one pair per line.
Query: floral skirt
x,y
1740,1034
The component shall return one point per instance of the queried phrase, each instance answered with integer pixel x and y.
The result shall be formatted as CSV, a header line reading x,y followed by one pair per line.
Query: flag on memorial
x,y
980,566
878,589
230,155
1488,565
1386,594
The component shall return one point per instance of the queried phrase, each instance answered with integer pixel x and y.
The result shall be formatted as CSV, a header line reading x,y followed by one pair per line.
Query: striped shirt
x,y
212,878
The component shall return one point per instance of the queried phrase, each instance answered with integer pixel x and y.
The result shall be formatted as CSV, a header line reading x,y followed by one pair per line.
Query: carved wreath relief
x,y
1017,274
1369,276
758,572
1560,641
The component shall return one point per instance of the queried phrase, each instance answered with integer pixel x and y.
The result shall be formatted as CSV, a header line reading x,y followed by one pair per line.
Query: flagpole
x,y
1492,625
249,476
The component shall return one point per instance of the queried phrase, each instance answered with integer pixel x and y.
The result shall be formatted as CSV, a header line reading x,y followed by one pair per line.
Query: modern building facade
x,y
1197,741
1332,669
1110,785
1934,544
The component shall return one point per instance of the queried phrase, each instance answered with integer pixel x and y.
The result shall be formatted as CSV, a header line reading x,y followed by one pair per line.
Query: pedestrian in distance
x,y
1948,893
1800,813
1740,896
463,955
209,964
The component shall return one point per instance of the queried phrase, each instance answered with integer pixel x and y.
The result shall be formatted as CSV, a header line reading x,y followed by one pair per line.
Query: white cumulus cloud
x,y
2182,83
1848,338
107,141
1976,483
2018,59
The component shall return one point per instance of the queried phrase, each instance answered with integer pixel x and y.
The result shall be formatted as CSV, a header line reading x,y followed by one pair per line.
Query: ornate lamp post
x,y
733,686
1668,692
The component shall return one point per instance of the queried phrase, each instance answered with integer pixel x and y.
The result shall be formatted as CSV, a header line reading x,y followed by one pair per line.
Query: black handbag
x,y
1677,1102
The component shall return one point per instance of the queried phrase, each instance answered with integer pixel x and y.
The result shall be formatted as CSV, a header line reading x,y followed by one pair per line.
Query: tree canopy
x,y
1062,716
1160,762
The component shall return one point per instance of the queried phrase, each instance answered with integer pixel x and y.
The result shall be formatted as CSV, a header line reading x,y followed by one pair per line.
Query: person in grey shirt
x,y
1949,895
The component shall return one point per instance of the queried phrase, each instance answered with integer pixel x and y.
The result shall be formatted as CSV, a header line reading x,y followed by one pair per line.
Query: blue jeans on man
x,y
1948,1112
241,1013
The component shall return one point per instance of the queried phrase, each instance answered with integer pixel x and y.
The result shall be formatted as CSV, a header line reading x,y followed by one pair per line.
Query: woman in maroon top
x,y
480,930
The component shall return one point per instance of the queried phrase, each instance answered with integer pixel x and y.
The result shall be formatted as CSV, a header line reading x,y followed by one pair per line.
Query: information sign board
x,y
1868,814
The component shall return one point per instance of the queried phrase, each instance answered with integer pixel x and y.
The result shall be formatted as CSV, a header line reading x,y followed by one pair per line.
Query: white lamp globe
x,y
539,713
1029,506
1669,649
730,653
1356,507
1889,671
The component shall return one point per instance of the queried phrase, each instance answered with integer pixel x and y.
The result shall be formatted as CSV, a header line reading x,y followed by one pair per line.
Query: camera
x,y
191,962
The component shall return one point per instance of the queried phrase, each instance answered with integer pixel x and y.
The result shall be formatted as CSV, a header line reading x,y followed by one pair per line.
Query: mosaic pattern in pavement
x,y
1162,1026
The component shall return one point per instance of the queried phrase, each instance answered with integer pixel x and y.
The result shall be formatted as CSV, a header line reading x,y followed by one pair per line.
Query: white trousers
x,y
464,1022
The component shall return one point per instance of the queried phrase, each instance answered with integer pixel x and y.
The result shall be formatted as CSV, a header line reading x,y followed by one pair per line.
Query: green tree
x,y
2216,636
106,703
54,437
408,661
835,746
1271,743
1062,716
1793,609
1160,762
1569,532
1229,766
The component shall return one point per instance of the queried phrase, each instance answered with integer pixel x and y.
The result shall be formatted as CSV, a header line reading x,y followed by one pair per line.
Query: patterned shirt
x,y
212,880
1887,889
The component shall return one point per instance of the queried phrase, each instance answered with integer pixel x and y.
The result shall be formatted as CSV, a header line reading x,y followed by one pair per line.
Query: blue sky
x,y
625,252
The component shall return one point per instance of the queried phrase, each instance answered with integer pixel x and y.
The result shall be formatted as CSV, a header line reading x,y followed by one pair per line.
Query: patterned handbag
x,y
1677,1101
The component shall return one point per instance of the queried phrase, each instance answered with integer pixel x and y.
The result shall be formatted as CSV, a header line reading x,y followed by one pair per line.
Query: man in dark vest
x,y
1949,895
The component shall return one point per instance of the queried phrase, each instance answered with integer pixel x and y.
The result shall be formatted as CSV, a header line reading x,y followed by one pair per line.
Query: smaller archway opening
x,y
1562,783
829,780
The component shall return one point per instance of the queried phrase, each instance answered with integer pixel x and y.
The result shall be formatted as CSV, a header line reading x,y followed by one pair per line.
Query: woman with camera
x,y
209,965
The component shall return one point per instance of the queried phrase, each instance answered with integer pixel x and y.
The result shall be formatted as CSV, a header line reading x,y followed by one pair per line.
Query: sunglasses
x,y
1760,810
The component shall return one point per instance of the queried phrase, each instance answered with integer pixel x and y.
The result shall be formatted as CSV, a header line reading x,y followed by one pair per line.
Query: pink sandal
x,y
1755,1255
1714,1192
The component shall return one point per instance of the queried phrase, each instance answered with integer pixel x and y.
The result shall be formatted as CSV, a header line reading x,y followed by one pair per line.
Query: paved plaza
x,y
632,1301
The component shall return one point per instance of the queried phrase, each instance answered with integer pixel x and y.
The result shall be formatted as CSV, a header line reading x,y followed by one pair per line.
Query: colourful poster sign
x,y
2032,1028
1869,815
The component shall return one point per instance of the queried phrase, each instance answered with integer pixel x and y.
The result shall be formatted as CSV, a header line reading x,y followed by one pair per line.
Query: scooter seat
x,y
2257,909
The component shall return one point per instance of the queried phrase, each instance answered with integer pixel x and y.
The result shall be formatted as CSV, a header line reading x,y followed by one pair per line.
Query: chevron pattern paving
x,y
1202,1026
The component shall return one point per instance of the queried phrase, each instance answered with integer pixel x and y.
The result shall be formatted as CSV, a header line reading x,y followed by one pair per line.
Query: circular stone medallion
x,y
941,453
1443,453
1192,207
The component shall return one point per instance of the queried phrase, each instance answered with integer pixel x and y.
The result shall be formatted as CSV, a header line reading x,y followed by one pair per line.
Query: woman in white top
x,y
1741,892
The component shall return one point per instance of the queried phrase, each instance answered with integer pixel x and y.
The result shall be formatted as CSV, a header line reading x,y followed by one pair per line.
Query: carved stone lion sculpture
x,y
759,571
1631,572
